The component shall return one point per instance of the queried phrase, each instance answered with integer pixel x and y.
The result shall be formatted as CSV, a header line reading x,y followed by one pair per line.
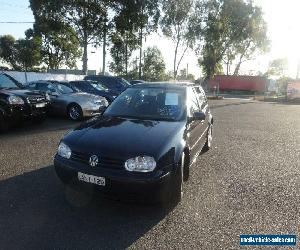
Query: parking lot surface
x,y
249,183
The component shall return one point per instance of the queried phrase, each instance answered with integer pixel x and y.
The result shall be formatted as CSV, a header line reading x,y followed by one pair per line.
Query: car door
x,y
195,128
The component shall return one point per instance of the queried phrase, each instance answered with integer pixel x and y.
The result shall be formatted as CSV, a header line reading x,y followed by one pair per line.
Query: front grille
x,y
36,99
104,162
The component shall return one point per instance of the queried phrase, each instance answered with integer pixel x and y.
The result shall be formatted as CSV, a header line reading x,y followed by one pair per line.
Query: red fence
x,y
244,83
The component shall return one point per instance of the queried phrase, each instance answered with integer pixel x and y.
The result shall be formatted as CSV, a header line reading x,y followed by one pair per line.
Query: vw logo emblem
x,y
93,160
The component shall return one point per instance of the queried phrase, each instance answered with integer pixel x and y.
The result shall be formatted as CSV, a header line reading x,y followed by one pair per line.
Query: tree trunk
x,y
237,68
178,64
26,79
104,50
175,60
85,56
126,56
141,52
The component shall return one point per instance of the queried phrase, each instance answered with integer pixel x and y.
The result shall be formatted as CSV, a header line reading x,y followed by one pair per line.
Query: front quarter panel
x,y
170,152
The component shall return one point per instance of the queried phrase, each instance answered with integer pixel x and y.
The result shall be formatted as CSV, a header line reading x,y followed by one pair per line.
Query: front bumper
x,y
89,111
19,113
121,184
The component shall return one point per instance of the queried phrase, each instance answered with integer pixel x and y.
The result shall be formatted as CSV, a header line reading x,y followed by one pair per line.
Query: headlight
x,y
64,151
114,96
102,102
13,99
99,102
141,164
47,97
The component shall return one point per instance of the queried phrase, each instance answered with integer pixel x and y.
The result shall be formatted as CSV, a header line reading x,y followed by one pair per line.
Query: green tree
x,y
59,45
7,50
28,53
21,54
122,47
176,24
185,76
154,65
87,18
277,68
230,30
132,22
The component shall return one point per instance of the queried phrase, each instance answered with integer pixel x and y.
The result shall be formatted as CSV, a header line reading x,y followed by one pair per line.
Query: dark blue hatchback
x,y
93,87
116,84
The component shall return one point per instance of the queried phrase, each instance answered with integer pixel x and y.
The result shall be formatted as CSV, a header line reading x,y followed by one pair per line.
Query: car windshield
x,y
6,83
84,86
99,86
63,89
149,103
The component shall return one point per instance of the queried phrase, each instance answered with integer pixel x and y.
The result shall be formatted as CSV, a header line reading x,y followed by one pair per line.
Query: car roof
x,y
166,85
103,76
48,82
83,81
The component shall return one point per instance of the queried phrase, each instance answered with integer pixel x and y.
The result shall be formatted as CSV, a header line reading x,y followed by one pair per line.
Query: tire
x,y
186,169
75,112
209,139
3,124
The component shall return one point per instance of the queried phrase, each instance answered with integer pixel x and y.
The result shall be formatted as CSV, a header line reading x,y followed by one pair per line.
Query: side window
x,y
32,86
42,86
45,87
193,105
106,82
76,85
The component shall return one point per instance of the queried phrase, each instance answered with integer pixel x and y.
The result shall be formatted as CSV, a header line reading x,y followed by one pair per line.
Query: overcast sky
x,y
281,16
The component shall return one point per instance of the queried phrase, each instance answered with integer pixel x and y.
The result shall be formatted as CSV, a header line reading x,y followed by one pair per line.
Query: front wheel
x,y
209,139
3,124
75,112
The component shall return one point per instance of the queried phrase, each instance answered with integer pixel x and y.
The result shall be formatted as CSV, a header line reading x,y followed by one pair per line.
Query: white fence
x,y
33,76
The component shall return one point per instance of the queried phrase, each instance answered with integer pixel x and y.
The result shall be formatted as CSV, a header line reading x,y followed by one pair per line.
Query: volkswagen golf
x,y
142,146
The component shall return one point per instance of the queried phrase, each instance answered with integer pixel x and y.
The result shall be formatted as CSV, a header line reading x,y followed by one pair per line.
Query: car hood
x,y
122,138
84,96
21,92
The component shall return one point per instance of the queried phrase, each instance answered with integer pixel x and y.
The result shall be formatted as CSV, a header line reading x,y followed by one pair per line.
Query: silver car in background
x,y
65,101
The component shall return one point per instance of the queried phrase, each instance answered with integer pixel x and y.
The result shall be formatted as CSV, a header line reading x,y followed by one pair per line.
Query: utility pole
x,y
187,70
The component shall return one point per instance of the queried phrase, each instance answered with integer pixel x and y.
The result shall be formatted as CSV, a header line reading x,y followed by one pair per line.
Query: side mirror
x,y
199,116
102,109
52,93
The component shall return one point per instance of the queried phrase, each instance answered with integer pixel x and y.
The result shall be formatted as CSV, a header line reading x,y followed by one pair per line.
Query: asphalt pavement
x,y
248,183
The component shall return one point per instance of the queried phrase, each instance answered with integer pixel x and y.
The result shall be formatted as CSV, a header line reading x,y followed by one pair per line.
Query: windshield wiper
x,y
145,118
8,87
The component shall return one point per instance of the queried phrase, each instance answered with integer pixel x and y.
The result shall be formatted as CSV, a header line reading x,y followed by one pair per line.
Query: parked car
x,y
93,87
18,104
116,84
65,101
133,82
142,146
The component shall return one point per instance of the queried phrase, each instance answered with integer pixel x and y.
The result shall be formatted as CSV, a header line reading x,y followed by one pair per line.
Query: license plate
x,y
91,179
40,105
